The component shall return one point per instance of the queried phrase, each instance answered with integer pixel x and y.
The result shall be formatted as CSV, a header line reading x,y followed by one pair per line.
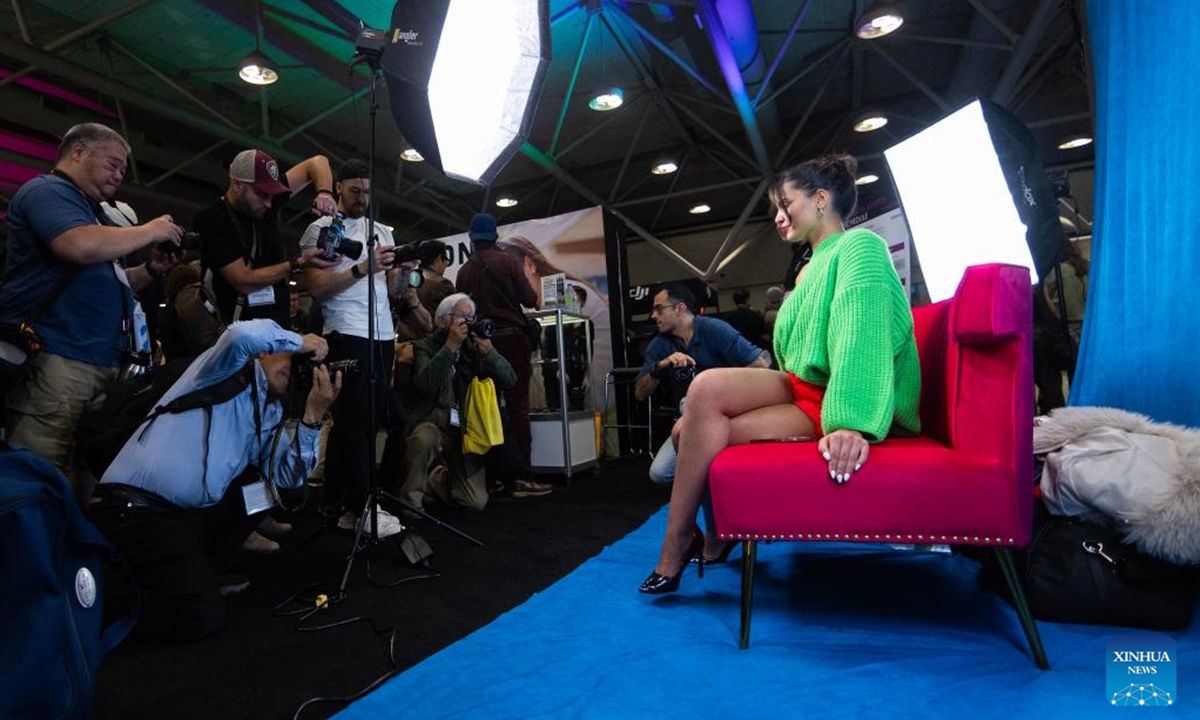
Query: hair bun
x,y
848,162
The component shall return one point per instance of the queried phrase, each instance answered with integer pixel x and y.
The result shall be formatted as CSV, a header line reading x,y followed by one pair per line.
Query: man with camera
x,y
342,290
444,365
239,235
190,484
686,345
496,281
67,303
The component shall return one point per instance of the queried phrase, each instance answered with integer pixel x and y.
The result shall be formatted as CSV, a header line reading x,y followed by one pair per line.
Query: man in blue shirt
x,y
686,345
188,482
56,228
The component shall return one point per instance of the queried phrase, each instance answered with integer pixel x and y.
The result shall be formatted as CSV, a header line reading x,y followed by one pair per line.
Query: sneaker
x,y
529,488
231,584
259,544
388,526
271,526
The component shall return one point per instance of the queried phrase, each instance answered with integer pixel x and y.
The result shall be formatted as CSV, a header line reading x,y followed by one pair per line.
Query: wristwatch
x,y
357,272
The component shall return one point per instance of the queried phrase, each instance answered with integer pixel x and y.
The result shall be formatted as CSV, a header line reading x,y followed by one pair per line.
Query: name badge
x,y
265,296
455,421
257,497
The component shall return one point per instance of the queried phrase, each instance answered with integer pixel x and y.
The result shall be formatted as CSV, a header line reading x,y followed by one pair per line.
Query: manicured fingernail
x,y
832,475
826,456
841,478
858,467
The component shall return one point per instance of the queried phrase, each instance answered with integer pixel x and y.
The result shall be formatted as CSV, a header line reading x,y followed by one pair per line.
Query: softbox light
x,y
974,191
464,78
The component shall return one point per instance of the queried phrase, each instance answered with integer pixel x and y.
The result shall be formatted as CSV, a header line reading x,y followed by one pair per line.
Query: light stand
x,y
415,548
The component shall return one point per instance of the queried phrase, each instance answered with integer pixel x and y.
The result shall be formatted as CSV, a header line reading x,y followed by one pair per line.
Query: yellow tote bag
x,y
482,430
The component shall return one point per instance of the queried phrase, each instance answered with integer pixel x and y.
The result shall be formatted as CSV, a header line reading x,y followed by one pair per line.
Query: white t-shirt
x,y
346,312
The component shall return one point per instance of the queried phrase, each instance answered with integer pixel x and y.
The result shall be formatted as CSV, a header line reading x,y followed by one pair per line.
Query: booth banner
x,y
571,245
886,219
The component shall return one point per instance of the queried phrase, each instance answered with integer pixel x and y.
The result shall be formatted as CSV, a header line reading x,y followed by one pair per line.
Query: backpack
x,y
128,403
50,569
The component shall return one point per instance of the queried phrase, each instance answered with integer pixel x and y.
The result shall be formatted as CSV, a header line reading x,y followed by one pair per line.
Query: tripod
x,y
366,533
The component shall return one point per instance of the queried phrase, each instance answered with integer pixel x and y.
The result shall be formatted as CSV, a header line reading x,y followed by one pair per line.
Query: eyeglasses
x,y
662,306
468,319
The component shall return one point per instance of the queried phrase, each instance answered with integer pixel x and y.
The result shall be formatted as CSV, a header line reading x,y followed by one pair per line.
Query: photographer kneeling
x,y
187,484
444,365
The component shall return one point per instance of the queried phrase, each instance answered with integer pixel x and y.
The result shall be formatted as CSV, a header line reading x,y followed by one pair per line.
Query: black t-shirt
x,y
750,324
227,235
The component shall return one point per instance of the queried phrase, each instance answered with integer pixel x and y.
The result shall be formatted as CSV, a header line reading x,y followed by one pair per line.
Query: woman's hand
x,y
846,451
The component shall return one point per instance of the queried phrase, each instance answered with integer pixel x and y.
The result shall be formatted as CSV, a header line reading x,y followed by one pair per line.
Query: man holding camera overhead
x,y
239,235
342,290
65,281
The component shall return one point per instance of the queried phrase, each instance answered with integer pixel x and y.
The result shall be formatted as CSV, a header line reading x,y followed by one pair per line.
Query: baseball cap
x,y
260,170
483,228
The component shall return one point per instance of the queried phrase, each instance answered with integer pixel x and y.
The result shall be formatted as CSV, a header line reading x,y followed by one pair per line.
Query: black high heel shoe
x,y
661,584
721,556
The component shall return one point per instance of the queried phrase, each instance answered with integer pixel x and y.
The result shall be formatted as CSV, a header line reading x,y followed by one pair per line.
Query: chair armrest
x,y
991,304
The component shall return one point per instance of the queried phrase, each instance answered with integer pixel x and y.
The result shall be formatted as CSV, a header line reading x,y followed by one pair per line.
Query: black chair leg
x,y
1004,556
749,552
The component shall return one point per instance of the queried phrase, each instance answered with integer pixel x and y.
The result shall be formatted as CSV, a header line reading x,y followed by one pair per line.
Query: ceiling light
x,y
606,99
293,283
506,202
411,155
1075,141
665,166
878,21
868,122
257,69
699,209
866,179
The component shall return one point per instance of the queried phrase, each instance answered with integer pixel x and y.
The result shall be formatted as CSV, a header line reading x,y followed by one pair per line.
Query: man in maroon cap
x,y
239,235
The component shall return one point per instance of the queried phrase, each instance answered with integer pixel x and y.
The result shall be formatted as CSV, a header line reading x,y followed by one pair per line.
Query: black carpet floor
x,y
264,664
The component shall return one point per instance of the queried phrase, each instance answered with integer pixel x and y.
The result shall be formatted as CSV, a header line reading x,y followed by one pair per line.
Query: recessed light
x,y
699,209
878,21
411,155
506,202
1075,141
606,99
869,122
866,179
293,283
664,167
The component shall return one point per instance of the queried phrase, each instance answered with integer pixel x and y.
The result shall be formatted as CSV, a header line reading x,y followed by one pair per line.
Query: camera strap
x,y
248,255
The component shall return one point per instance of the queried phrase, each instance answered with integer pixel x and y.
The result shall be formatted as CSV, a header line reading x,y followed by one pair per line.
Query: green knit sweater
x,y
848,327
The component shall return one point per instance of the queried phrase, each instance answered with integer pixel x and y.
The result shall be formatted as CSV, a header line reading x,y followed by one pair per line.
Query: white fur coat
x,y
1143,474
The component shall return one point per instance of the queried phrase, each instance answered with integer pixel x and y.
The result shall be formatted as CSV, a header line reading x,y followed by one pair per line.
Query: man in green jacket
x,y
443,366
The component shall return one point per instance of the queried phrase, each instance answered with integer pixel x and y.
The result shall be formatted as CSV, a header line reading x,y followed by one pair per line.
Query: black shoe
x,y
661,584
721,556
529,488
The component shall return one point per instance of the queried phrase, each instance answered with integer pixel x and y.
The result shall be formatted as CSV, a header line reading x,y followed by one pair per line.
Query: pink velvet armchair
x,y
967,480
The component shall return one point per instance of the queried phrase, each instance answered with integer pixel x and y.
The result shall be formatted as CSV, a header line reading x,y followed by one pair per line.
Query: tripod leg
x,y
427,516
358,545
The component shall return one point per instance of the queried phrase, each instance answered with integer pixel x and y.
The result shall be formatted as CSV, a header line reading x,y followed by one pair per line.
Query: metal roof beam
x,y
1023,51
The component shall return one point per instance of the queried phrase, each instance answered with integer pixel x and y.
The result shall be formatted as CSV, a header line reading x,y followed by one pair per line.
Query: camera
x,y
482,328
684,373
332,241
302,378
189,241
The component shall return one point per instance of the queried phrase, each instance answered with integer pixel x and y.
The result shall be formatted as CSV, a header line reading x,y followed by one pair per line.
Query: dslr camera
x,y
189,241
332,241
482,328
301,381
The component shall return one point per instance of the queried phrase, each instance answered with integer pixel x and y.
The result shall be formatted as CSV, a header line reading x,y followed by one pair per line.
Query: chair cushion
x,y
911,490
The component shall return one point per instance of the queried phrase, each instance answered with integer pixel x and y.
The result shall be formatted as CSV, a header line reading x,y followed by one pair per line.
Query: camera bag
x,y
1077,571
23,339
54,637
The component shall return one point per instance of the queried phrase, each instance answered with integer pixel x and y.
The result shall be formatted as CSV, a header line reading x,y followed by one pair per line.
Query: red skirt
x,y
808,397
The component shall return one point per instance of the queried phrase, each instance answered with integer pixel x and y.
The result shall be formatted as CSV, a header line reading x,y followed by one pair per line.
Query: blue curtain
x,y
1141,334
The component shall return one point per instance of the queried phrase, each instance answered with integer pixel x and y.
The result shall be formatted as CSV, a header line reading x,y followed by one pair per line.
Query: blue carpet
x,y
839,632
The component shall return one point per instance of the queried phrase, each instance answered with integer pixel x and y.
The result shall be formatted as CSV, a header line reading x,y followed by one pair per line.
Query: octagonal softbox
x,y
464,78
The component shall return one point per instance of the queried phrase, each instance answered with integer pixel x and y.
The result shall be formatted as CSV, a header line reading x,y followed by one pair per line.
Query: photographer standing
x,y
185,484
497,282
342,289
444,365
63,266
240,235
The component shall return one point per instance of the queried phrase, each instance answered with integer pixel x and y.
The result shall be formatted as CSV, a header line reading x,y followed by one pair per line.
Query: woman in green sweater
x,y
844,341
